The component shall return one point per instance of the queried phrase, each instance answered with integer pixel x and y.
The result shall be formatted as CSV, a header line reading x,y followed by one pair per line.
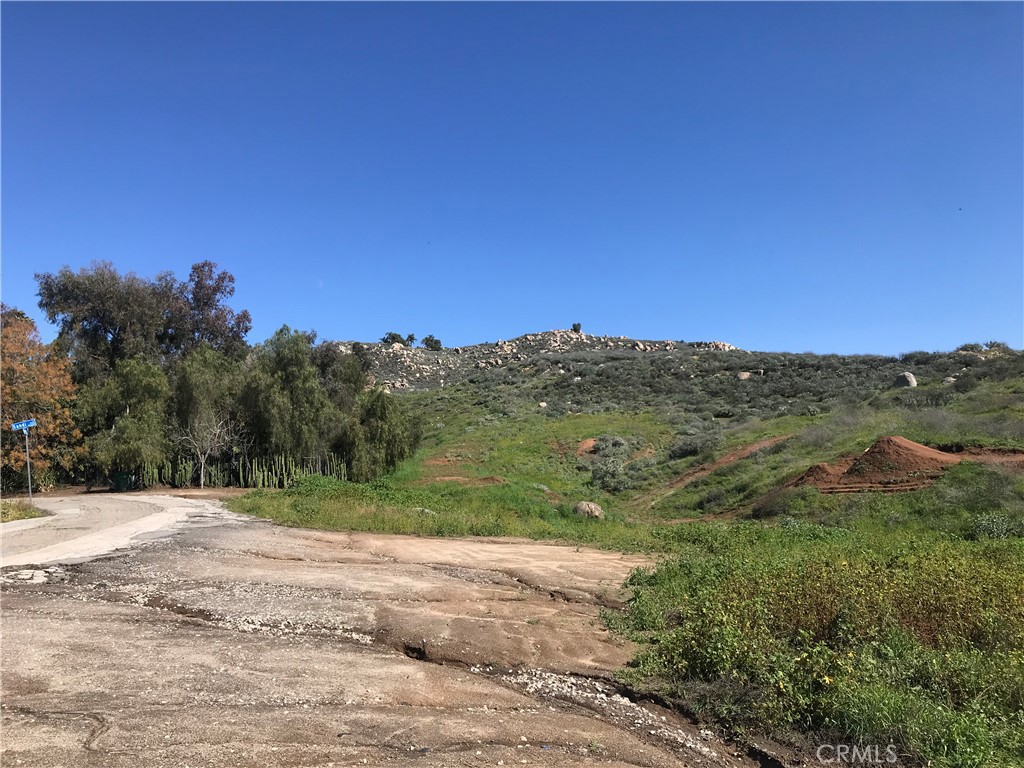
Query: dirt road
x,y
232,642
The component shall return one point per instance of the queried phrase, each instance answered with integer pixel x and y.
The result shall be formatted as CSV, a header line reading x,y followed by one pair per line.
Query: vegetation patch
x,y
442,509
18,510
840,636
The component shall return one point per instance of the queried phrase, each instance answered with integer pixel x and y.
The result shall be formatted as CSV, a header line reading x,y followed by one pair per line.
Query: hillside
x,y
840,556
564,372
400,367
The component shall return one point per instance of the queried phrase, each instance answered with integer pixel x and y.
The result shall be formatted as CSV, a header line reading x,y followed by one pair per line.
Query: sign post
x,y
24,426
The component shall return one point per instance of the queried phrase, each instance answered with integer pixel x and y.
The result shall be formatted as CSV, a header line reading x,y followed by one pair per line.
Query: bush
x,y
610,475
994,526
694,444
317,486
784,501
914,642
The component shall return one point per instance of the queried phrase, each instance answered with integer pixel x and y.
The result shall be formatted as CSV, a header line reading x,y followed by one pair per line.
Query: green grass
x,y
17,510
872,637
442,510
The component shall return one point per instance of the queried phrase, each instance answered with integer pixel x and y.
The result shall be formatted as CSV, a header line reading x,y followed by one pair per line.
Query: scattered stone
x,y
743,375
398,367
589,509
905,379
949,380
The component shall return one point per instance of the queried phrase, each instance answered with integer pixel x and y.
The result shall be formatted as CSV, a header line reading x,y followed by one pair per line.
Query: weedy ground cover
x,y
17,510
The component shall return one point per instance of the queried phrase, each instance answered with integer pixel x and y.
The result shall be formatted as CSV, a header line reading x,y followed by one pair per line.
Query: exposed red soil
x,y
1010,457
647,452
449,469
894,463
587,448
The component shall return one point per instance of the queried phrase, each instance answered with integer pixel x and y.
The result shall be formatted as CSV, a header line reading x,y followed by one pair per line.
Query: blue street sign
x,y
23,425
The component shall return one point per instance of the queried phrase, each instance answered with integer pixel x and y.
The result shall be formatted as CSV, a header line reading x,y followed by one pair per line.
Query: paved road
x,y
86,526
217,640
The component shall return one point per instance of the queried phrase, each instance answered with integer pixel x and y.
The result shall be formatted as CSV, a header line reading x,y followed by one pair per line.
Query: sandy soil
x,y
232,642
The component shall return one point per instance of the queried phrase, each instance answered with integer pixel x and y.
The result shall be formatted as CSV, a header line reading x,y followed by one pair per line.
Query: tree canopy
x,y
104,316
168,388
35,384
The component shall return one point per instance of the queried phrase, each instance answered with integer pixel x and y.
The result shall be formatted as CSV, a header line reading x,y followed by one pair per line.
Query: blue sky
x,y
803,177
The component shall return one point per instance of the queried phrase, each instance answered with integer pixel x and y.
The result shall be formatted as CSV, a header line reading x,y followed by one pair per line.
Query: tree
x,y
410,340
124,414
376,436
206,388
205,437
363,355
35,382
577,328
392,338
200,316
432,343
341,375
105,317
286,406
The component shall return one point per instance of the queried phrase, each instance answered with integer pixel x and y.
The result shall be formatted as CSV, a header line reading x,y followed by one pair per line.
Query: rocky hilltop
x,y
399,367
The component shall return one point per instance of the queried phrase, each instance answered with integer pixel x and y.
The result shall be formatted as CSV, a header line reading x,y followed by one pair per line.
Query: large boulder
x,y
905,379
589,509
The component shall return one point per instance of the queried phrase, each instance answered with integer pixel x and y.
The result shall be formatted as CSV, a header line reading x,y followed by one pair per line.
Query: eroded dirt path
x,y
238,643
651,498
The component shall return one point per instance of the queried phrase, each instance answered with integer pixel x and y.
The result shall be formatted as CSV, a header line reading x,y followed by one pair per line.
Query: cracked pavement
x,y
212,639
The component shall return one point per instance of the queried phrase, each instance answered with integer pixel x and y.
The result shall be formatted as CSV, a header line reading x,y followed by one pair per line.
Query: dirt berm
x,y
895,463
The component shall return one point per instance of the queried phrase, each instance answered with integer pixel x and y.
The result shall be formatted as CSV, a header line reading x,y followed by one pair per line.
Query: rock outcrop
x,y
589,509
905,379
398,367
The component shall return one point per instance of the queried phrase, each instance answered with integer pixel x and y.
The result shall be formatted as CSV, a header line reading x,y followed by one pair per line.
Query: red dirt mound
x,y
891,464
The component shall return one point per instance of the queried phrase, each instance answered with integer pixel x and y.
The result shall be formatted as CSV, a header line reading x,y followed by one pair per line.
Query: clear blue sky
x,y
802,177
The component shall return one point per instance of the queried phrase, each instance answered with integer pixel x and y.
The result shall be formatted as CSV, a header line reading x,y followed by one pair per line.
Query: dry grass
x,y
18,510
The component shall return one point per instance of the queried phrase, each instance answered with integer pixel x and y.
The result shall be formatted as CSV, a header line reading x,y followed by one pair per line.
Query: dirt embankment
x,y
895,463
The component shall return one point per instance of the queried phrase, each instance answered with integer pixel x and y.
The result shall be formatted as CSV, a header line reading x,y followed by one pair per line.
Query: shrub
x,y
918,643
784,501
994,526
610,475
695,443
